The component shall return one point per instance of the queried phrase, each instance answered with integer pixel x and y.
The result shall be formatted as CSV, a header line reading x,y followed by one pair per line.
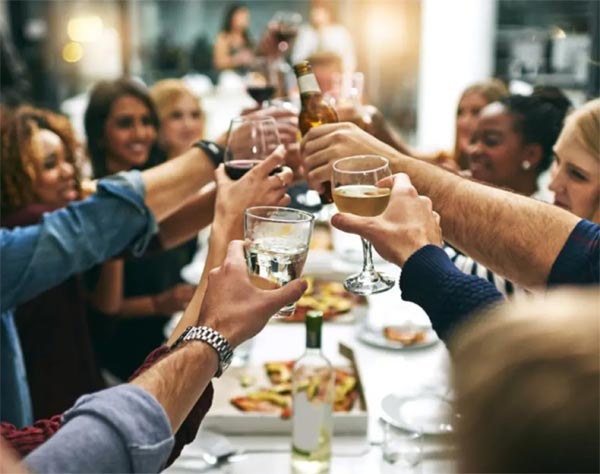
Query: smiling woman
x,y
38,160
40,174
133,298
576,170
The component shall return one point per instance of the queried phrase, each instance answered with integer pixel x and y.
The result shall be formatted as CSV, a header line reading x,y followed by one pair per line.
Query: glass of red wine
x,y
261,80
249,141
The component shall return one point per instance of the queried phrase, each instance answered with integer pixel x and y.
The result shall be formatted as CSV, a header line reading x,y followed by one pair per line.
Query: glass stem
x,y
367,257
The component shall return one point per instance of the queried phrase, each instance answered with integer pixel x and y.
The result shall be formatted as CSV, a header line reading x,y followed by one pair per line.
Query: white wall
x,y
457,49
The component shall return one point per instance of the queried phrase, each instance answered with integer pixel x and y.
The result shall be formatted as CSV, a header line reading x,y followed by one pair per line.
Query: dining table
x,y
409,372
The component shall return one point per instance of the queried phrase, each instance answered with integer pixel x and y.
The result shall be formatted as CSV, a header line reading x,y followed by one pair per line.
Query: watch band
x,y
211,337
212,150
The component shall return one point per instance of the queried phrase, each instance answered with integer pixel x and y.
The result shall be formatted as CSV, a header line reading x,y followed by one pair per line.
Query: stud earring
x,y
525,165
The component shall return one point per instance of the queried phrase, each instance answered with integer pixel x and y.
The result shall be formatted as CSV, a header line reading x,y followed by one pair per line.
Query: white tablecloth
x,y
382,371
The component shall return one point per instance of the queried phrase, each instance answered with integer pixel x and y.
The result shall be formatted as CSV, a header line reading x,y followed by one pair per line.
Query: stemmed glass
x,y
276,245
261,81
286,28
249,141
354,183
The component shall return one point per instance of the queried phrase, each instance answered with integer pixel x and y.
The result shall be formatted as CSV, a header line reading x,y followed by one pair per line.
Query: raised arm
x,y
512,235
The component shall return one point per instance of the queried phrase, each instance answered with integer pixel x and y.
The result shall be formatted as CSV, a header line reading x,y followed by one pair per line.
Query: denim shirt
x,y
36,258
120,429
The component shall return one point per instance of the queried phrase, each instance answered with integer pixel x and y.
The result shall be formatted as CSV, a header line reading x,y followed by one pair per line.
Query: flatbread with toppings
x,y
278,397
330,297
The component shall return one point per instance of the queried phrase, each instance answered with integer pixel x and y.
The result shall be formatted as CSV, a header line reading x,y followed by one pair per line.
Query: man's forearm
x,y
178,380
169,186
502,230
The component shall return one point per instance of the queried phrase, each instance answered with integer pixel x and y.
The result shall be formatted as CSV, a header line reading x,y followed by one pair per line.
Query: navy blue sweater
x,y
448,296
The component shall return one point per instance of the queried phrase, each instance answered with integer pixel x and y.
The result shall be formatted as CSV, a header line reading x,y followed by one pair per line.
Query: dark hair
x,y
538,120
103,96
229,14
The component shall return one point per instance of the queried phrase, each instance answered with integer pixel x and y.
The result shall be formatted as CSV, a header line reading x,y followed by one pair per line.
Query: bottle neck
x,y
307,83
313,340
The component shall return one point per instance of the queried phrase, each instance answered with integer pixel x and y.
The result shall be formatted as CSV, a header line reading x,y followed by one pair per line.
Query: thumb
x,y
352,224
287,294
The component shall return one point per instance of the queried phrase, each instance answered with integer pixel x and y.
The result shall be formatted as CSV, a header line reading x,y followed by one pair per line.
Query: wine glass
x,y
261,81
354,182
249,141
286,24
276,245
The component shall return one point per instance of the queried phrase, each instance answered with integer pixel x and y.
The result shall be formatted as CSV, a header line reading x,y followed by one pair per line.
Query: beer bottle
x,y
315,110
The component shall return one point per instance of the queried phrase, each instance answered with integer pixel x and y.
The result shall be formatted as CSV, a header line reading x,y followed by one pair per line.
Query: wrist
x,y
201,351
227,226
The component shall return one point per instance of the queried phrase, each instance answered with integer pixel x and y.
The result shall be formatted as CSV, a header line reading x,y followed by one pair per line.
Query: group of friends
x,y
90,271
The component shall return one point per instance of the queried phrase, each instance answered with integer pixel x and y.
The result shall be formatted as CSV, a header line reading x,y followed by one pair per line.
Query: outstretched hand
x,y
407,224
255,188
325,144
236,307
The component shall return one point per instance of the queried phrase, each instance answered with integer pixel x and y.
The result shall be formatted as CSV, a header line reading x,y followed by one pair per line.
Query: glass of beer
x,y
276,244
249,141
355,191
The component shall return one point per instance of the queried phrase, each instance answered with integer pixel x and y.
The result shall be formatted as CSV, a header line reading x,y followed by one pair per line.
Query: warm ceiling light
x,y
85,29
72,52
558,33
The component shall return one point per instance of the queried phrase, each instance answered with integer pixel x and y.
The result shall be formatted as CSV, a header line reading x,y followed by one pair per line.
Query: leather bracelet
x,y
214,152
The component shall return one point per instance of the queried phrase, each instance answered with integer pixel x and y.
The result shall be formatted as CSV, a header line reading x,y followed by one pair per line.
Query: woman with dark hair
x,y
134,298
510,147
233,46
512,142
40,174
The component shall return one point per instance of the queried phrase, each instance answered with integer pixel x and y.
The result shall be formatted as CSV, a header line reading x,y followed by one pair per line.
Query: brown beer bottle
x,y
315,110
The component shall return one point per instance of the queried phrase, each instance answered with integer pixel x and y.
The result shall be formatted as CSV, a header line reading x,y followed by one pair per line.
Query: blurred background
x,y
417,55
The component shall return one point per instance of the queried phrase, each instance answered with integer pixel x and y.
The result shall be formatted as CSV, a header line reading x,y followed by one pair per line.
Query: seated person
x,y
512,145
93,230
535,408
507,226
129,428
233,46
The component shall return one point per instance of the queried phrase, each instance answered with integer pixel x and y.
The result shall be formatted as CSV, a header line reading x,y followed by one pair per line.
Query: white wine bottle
x,y
313,381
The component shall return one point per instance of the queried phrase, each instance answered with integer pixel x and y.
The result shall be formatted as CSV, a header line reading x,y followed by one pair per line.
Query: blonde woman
x,y
527,378
576,169
181,116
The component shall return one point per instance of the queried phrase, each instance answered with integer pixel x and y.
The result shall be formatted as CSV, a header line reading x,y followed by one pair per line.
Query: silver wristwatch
x,y
212,338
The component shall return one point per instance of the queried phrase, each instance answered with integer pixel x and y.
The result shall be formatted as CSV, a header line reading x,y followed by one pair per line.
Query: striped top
x,y
469,266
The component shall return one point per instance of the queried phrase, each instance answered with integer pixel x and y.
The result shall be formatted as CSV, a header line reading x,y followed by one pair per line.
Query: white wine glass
x,y
355,191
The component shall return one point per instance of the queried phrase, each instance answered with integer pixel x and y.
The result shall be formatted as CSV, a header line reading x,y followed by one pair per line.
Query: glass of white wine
x,y
276,244
355,191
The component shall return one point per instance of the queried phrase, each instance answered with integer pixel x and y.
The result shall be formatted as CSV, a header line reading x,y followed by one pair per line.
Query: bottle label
x,y
311,421
308,83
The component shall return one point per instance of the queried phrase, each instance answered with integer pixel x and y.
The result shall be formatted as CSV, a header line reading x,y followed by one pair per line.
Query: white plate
x,y
427,413
377,339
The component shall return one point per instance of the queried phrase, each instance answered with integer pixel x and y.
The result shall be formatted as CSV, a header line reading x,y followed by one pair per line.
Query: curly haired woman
x,y
40,174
